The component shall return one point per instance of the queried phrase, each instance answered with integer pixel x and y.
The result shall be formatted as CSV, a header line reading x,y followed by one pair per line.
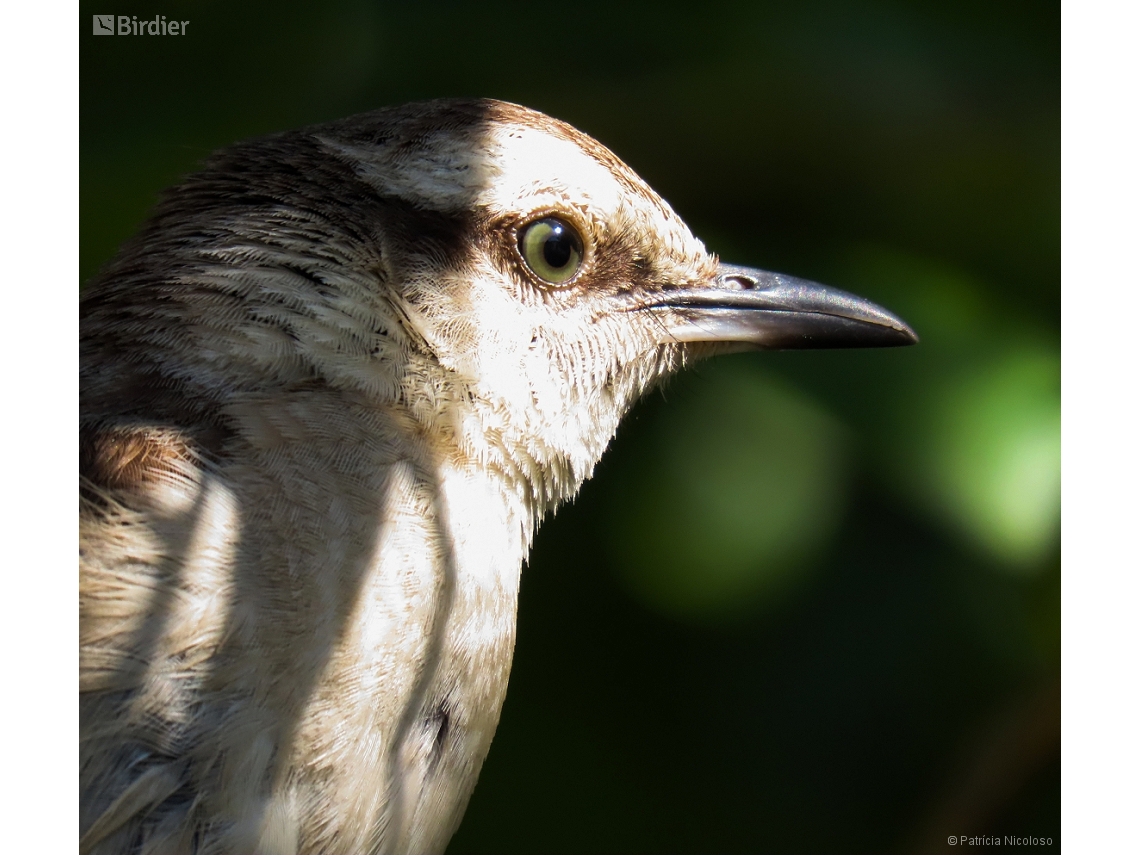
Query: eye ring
x,y
552,249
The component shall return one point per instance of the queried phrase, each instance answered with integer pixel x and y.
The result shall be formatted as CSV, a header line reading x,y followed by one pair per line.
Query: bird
x,y
328,392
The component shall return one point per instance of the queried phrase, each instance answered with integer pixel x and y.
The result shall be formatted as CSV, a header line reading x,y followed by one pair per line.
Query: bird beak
x,y
773,311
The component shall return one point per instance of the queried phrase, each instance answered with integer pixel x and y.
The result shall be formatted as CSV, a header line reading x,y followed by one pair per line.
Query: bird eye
x,y
552,249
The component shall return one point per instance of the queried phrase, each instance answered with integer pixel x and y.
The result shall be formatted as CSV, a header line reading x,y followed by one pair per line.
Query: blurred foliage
x,y
725,494
810,601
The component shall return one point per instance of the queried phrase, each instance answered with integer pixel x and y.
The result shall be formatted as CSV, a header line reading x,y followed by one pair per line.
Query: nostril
x,y
738,282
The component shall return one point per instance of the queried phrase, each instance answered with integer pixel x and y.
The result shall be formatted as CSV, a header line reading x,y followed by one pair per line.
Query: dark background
x,y
810,601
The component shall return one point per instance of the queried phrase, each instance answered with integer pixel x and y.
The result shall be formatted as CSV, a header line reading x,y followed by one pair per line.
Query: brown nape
x,y
126,459
137,428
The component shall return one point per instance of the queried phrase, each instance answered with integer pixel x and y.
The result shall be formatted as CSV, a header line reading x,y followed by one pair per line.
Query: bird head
x,y
500,276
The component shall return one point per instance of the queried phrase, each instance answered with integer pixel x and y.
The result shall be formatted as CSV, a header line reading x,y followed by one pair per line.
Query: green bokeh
x,y
975,426
994,454
725,501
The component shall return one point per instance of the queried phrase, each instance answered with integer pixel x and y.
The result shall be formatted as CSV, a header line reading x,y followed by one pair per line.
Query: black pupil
x,y
558,248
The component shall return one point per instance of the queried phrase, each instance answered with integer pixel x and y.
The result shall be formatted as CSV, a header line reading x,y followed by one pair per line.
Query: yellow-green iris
x,y
552,249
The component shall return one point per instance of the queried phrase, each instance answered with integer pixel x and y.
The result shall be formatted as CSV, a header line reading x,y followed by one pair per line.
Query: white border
x,y
1100,311
39,67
